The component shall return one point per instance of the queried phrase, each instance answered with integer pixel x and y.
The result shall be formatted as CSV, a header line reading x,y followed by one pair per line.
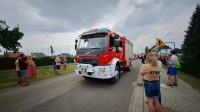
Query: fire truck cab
x,y
102,54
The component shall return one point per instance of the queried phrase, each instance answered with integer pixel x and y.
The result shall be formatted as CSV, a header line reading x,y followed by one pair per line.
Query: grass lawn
x,y
8,78
192,81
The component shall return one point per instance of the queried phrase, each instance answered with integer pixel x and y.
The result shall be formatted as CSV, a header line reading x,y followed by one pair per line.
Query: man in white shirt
x,y
160,64
172,69
174,59
58,63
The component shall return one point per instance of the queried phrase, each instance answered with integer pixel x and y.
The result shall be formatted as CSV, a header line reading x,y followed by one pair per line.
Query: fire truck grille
x,y
92,61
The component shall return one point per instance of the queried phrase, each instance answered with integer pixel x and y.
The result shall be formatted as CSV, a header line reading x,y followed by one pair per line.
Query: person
x,y
150,72
143,57
54,64
64,64
23,68
160,66
168,66
172,69
31,68
113,49
17,69
58,63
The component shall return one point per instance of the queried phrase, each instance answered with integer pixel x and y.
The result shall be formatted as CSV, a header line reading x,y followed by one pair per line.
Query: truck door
x,y
116,46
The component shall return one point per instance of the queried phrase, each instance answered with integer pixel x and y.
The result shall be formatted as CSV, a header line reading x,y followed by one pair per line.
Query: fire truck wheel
x,y
117,77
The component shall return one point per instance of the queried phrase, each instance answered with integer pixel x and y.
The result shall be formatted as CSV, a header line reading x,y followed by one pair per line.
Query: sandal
x,y
175,84
24,84
169,85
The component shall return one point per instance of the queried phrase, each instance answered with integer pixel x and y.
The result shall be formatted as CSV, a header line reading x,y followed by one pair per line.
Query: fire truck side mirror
x,y
76,46
76,41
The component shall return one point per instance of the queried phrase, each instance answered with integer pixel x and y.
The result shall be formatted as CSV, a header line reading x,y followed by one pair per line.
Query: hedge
x,y
9,63
192,69
43,61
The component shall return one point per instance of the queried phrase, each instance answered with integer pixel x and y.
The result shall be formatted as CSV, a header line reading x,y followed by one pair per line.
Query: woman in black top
x,y
23,67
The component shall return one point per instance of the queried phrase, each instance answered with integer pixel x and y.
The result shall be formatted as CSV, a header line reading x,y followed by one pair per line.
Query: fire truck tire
x,y
117,77
129,67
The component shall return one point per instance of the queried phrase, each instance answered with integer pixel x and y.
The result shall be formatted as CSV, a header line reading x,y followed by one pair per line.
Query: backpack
x,y
178,64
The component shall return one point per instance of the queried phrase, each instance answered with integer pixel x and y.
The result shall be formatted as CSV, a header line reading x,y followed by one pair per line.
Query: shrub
x,y
43,61
70,59
7,63
192,69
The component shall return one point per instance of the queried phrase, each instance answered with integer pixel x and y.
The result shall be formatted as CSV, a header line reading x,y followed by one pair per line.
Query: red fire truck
x,y
102,54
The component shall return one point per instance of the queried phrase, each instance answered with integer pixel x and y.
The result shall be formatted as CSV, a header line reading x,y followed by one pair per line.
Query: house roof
x,y
38,54
13,54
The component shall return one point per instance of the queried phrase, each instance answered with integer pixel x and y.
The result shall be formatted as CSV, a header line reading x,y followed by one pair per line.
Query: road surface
x,y
71,93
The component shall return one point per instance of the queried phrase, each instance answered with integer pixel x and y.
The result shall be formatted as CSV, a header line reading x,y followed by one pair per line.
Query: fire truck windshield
x,y
94,43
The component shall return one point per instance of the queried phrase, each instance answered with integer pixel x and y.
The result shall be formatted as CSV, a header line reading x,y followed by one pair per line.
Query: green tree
x,y
146,49
177,50
191,45
9,37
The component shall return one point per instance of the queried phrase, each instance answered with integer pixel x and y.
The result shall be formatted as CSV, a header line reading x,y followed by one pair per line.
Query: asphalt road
x,y
71,93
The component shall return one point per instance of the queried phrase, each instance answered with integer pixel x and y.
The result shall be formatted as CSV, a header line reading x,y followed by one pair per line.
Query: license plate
x,y
83,68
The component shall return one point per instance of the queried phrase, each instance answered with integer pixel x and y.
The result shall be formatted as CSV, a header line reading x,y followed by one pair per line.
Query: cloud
x,y
70,15
153,18
61,42
123,9
58,23
43,16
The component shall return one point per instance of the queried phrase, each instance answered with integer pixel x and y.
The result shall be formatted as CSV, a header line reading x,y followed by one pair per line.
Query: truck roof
x,y
101,30
93,31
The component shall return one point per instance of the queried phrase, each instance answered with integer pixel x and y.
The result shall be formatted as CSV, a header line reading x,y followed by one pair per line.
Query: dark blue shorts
x,y
22,73
54,67
172,71
18,74
152,89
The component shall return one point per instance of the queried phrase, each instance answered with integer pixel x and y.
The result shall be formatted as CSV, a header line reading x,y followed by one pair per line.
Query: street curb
x,y
137,97
132,99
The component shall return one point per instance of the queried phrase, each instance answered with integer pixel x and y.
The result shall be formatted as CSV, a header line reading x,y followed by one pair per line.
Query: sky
x,y
60,22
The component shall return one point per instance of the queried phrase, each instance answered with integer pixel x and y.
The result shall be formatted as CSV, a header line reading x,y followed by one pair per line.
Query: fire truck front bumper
x,y
100,72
